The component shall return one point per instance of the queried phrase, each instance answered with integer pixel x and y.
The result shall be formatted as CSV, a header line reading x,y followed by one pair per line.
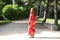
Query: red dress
x,y
31,23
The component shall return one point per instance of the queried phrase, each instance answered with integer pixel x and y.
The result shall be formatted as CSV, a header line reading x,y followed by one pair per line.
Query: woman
x,y
31,23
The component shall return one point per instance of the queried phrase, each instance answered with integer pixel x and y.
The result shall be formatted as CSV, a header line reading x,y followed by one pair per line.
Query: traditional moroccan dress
x,y
31,23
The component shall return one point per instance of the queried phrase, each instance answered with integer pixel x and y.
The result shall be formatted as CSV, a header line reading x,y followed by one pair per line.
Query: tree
x,y
55,13
47,11
7,1
39,7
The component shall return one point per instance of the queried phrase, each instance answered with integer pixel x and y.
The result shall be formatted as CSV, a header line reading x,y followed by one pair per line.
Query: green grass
x,y
48,20
51,21
2,22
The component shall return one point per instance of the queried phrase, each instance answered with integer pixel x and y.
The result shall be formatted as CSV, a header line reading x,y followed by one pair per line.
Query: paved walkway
x,y
17,30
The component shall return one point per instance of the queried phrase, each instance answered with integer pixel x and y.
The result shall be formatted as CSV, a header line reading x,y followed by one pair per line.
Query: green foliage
x,y
23,12
24,8
13,12
1,6
3,22
7,1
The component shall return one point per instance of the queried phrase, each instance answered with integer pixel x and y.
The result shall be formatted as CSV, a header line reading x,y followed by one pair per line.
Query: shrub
x,y
1,6
23,12
8,12
13,12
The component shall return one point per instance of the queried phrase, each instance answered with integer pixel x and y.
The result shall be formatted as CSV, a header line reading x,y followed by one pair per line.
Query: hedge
x,y
14,12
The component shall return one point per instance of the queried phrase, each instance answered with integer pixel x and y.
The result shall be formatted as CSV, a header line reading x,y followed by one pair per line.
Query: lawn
x,y
4,22
51,21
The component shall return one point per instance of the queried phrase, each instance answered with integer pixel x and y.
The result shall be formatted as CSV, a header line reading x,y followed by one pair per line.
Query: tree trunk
x,y
38,8
45,13
55,13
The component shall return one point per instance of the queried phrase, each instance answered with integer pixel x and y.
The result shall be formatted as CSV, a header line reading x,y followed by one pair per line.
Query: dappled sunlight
x,y
18,31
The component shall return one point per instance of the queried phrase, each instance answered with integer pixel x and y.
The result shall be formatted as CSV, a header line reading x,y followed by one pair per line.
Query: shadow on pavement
x,y
18,28
13,28
4,23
